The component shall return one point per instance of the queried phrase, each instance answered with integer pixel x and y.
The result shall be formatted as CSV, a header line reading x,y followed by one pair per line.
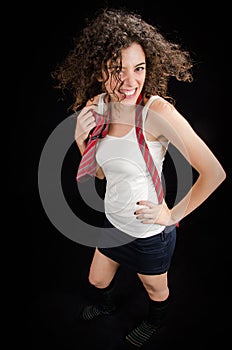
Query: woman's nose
x,y
129,78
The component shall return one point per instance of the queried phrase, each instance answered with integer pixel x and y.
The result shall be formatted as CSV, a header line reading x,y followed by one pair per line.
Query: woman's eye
x,y
139,69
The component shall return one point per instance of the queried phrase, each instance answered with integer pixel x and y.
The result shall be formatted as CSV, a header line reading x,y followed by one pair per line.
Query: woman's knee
x,y
98,281
157,293
102,270
156,286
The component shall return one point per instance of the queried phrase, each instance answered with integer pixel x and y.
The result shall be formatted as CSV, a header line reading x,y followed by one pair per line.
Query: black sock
x,y
142,333
105,306
157,311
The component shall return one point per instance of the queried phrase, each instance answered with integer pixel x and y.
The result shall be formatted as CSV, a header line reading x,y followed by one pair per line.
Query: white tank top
x,y
127,178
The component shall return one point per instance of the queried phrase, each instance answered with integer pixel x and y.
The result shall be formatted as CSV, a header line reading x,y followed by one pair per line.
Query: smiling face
x,y
126,81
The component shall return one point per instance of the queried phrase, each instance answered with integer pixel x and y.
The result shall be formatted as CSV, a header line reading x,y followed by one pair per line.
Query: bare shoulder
x,y
163,110
160,111
163,119
162,106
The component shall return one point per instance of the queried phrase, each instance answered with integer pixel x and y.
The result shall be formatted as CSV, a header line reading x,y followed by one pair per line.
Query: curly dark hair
x,y
103,38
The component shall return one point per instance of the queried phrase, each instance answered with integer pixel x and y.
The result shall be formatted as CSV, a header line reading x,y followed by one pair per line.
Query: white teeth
x,y
129,93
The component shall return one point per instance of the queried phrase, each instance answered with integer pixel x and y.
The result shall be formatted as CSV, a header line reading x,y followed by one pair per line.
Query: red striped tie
x,y
146,154
87,166
148,159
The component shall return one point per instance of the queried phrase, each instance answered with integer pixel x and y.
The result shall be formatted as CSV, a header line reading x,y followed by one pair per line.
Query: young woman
x,y
120,62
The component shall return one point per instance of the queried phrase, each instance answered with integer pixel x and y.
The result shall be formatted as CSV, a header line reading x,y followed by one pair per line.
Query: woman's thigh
x,y
102,270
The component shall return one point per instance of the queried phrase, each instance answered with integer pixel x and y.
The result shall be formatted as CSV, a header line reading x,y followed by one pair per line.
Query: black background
x,y
51,271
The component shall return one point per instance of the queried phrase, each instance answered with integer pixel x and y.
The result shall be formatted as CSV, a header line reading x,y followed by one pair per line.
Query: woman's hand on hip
x,y
152,213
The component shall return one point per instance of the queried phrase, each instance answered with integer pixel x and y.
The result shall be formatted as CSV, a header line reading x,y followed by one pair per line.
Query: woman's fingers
x,y
85,123
149,204
152,213
150,221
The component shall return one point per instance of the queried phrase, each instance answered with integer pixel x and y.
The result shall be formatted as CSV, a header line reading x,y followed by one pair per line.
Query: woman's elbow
x,y
218,175
221,175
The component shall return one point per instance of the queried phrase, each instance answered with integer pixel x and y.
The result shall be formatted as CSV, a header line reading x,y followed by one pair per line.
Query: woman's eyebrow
x,y
115,66
137,65
140,64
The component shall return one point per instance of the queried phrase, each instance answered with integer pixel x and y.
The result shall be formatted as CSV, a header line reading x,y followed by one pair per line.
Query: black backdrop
x,y
43,35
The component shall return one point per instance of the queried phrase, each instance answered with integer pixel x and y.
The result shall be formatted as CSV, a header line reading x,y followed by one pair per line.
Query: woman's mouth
x,y
129,93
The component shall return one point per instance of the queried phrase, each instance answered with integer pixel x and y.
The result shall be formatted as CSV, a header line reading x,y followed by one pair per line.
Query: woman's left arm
x,y
165,120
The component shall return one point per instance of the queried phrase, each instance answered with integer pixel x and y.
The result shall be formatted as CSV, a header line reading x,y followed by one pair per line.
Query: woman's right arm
x,y
85,123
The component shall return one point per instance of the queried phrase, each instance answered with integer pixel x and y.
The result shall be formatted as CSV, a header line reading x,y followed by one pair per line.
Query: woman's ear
x,y
100,79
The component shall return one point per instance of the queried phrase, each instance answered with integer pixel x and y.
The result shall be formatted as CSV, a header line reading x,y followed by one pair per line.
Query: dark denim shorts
x,y
147,256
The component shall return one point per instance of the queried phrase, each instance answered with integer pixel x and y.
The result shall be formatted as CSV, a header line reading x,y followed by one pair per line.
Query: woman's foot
x,y
92,311
141,334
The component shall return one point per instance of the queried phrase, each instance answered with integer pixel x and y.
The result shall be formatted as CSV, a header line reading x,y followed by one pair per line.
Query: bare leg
x,y
101,276
156,286
102,270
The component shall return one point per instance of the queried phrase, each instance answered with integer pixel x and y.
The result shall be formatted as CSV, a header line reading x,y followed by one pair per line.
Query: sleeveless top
x,y
127,177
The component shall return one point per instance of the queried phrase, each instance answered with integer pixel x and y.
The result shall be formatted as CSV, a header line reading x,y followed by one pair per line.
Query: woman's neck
x,y
122,114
